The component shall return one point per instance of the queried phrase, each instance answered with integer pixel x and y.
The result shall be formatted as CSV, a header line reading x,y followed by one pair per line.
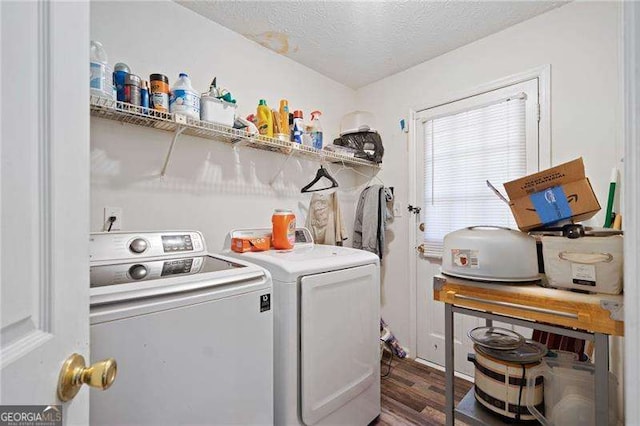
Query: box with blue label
x,y
552,195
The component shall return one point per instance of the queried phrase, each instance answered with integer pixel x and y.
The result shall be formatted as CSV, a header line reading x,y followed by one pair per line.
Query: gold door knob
x,y
421,226
421,249
74,374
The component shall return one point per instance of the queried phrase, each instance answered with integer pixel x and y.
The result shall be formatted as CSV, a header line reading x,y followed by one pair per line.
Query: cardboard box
x,y
559,193
241,245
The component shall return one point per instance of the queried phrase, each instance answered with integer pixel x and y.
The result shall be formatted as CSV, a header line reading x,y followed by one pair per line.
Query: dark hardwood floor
x,y
413,394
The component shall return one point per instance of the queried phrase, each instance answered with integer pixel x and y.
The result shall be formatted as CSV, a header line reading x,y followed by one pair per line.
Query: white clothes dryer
x,y
326,303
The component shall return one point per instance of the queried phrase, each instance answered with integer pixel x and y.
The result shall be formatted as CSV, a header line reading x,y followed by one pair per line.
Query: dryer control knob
x,y
138,272
138,245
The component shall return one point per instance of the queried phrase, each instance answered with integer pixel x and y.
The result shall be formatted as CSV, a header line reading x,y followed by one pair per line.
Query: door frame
x,y
631,175
543,74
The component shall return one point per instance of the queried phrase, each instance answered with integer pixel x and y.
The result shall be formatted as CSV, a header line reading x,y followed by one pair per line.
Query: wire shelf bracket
x,y
170,151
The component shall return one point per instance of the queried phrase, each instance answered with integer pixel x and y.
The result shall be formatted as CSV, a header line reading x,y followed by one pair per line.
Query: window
x,y
492,136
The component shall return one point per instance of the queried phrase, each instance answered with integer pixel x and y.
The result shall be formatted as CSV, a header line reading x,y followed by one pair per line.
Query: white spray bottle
x,y
315,130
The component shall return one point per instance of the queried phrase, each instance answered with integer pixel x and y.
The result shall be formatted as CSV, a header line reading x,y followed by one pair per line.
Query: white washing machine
x,y
326,330
192,333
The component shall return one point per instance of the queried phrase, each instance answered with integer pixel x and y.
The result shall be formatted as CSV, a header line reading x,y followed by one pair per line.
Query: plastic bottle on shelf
x,y
291,126
315,130
284,117
120,72
132,92
159,93
298,127
184,100
265,119
275,120
144,94
306,136
100,78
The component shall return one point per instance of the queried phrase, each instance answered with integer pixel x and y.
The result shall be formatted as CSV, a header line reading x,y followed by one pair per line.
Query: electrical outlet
x,y
397,210
113,211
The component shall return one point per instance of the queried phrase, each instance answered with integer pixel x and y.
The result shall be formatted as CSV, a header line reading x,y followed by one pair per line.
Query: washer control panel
x,y
177,243
109,246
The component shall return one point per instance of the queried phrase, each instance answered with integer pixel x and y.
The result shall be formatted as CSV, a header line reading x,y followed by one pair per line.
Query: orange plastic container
x,y
283,234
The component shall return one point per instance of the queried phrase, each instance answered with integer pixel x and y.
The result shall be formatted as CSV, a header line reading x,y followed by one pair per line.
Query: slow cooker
x,y
503,363
490,253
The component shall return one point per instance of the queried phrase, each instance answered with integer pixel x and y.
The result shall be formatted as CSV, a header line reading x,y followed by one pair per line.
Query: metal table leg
x,y
448,364
602,378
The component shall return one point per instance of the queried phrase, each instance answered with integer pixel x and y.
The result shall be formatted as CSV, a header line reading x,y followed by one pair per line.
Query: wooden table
x,y
592,317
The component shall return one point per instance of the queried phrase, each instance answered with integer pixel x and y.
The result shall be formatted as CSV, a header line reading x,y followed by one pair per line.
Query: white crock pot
x,y
490,253
500,386
503,362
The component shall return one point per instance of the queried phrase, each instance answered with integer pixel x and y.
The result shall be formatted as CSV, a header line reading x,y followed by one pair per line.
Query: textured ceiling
x,y
359,42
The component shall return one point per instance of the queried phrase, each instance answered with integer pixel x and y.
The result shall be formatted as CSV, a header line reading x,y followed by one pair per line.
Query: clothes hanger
x,y
322,172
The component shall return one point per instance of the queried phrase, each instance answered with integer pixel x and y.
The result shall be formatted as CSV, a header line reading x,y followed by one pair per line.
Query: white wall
x,y
207,187
581,43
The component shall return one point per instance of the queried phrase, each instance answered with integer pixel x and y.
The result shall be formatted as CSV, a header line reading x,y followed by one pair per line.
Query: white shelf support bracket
x,y
178,132
284,163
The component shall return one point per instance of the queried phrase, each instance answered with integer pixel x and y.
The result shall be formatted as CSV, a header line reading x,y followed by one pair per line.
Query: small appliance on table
x,y
582,258
503,360
326,326
192,333
490,253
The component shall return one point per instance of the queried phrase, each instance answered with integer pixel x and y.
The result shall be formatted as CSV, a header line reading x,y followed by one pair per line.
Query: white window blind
x,y
463,151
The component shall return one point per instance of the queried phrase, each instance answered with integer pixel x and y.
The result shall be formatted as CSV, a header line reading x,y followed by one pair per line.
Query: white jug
x,y
569,396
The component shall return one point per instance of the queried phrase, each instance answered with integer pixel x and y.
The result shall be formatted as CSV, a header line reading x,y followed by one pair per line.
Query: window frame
x,y
529,88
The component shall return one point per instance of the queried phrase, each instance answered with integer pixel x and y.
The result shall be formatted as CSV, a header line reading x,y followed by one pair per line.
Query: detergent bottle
x,y
284,229
315,130
284,117
298,127
184,100
265,119
100,79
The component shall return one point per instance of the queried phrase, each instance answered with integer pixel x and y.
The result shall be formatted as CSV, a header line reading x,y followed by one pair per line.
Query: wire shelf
x,y
147,117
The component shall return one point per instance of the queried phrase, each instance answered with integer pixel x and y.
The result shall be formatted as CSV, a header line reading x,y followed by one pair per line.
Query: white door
x,y
339,340
44,200
467,127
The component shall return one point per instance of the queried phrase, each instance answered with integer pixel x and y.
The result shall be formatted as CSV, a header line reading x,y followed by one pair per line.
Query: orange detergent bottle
x,y
283,234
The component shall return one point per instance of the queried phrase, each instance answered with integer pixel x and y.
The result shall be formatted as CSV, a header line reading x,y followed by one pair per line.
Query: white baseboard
x,y
441,368
432,365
